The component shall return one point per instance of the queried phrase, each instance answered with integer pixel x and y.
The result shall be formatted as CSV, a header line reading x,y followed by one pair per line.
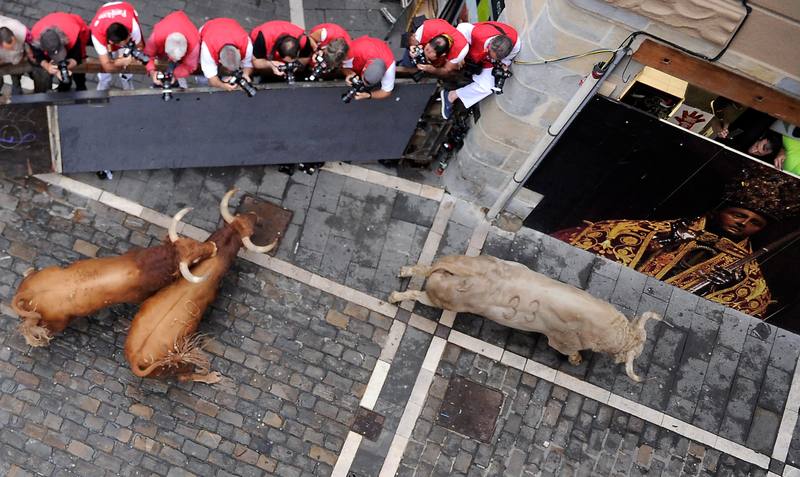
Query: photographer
x,y
114,28
176,40
278,44
492,45
223,42
372,60
14,50
331,46
440,47
59,45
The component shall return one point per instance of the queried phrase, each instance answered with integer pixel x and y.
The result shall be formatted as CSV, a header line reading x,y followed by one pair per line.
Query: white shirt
x,y
466,30
209,64
136,35
20,32
387,81
461,54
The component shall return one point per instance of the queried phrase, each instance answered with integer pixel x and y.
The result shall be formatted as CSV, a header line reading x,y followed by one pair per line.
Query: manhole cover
x,y
470,408
272,222
368,423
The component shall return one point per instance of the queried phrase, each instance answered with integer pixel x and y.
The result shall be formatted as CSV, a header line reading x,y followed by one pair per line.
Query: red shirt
x,y
332,32
481,34
275,29
436,27
219,32
113,12
175,22
365,49
70,24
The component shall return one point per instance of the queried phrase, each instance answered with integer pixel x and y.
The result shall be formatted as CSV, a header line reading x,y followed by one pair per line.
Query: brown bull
x,y
49,299
162,339
513,295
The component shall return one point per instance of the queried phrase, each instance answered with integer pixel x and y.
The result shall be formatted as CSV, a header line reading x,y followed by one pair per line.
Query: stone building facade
x,y
510,125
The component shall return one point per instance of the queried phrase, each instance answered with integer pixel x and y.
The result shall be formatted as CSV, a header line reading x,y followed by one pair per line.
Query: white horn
x,y
173,227
223,206
249,245
187,274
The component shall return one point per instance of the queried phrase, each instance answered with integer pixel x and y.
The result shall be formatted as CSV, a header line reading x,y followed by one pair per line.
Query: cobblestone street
x,y
323,377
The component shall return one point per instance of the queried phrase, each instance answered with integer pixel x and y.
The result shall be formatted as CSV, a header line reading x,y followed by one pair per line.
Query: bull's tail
x,y
461,265
30,328
186,352
638,337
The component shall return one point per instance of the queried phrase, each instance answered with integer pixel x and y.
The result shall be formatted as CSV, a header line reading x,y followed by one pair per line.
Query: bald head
x,y
175,46
230,58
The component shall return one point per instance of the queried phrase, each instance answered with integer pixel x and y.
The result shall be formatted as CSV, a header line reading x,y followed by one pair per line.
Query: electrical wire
x,y
569,57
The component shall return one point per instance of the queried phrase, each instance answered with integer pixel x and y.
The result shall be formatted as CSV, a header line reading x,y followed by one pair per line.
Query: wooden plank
x,y
718,80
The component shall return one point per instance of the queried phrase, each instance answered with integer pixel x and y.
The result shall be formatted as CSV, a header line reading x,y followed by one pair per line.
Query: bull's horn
x,y
187,274
173,227
249,245
223,206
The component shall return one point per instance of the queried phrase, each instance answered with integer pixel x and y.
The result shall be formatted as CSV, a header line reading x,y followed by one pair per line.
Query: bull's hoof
x,y
395,297
575,359
406,272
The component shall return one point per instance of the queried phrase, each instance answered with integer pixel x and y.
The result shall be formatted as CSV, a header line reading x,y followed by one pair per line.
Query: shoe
x,y
447,105
127,81
105,174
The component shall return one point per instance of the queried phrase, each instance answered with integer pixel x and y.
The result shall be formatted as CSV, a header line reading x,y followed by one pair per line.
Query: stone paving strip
x,y
391,182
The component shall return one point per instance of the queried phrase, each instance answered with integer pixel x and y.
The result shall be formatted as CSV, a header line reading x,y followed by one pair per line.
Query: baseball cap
x,y
52,45
374,71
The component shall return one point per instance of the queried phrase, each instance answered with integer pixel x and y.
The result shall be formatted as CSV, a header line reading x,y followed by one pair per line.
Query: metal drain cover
x,y
273,220
470,409
368,423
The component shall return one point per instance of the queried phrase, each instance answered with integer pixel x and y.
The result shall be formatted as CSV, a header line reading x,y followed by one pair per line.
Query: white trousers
x,y
480,88
104,81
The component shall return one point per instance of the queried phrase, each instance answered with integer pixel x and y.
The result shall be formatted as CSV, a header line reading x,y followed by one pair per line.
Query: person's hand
x,y
154,77
230,86
780,159
247,77
723,278
426,68
50,67
124,61
275,67
723,133
363,95
349,79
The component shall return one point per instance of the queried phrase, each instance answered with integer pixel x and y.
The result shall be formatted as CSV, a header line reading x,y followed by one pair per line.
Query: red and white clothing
x,y
433,28
365,49
72,25
114,12
217,33
271,31
329,32
478,36
175,22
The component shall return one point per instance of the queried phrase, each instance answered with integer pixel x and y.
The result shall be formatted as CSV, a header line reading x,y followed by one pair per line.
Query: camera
x,y
357,86
417,55
500,75
320,67
289,69
167,81
137,54
239,80
63,71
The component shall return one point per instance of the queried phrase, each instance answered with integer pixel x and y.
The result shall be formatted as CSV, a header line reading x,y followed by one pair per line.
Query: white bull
x,y
514,295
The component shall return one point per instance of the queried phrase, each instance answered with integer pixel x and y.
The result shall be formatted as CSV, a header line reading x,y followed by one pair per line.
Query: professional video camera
x,y
130,50
167,79
63,71
357,86
289,69
238,79
320,67
500,75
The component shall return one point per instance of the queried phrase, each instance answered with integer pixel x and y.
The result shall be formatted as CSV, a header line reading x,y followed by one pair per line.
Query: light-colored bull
x,y
516,296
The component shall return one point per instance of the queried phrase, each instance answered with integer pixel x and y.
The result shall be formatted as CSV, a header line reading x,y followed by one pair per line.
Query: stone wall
x,y
511,124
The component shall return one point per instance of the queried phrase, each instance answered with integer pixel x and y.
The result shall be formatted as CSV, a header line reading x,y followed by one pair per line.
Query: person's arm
x,y
150,50
315,38
416,38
